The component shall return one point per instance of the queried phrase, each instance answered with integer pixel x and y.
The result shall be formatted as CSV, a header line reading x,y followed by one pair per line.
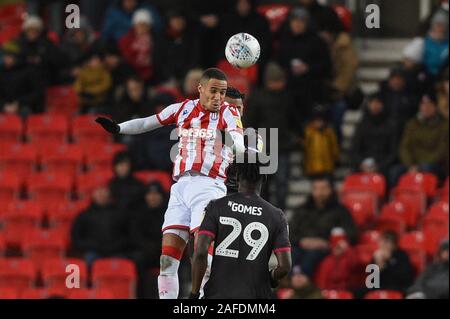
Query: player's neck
x,y
249,188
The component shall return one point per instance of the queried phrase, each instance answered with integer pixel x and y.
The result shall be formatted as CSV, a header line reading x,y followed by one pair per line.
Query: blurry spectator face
x,y
153,199
327,37
141,28
427,107
275,85
177,23
321,192
191,82
135,89
438,31
129,5
80,36
243,7
112,61
32,34
443,255
298,26
375,106
396,82
318,123
386,244
101,196
9,60
122,169
95,61
299,281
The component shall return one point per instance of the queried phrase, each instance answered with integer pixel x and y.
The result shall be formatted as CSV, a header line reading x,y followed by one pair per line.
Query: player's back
x,y
247,230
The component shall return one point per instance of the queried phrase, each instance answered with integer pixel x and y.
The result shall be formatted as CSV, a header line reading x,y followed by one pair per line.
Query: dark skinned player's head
x,y
212,88
234,96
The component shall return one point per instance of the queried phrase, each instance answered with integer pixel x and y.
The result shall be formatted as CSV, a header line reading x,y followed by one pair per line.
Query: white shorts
x,y
188,199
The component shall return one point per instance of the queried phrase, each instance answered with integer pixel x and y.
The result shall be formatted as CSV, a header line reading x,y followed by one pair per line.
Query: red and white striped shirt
x,y
199,148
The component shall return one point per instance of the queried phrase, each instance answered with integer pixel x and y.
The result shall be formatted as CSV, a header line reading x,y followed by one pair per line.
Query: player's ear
x,y
200,88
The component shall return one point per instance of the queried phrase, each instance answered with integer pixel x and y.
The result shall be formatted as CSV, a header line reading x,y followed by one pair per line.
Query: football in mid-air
x,y
242,50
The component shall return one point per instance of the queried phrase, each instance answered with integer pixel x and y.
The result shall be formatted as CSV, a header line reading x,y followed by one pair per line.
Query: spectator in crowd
x,y
126,190
340,269
39,52
151,150
313,223
442,91
20,91
101,230
206,14
375,142
118,20
396,270
418,80
244,18
120,71
179,45
399,102
306,58
302,286
93,83
432,50
191,82
322,16
424,142
133,102
343,82
138,45
270,107
54,10
145,236
320,144
75,44
433,282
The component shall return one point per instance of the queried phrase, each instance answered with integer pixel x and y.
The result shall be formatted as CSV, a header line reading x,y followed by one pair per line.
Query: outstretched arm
x,y
131,127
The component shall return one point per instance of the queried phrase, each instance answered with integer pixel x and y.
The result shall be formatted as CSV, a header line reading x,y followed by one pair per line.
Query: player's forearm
x,y
199,266
139,126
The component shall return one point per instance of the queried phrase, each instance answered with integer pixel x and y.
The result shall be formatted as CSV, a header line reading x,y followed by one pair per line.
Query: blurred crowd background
x,y
71,194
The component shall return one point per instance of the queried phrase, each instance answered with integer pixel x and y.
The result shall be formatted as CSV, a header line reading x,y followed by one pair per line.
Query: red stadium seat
x,y
250,75
408,214
65,158
19,219
337,294
20,159
285,293
16,273
363,182
100,156
435,226
345,16
370,237
394,223
384,294
88,182
34,293
10,186
11,128
48,128
276,14
118,275
62,100
444,191
414,243
86,131
91,294
164,178
415,199
425,182
55,272
362,206
39,245
50,188
8,293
